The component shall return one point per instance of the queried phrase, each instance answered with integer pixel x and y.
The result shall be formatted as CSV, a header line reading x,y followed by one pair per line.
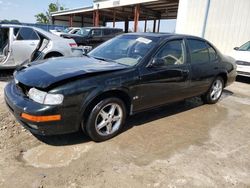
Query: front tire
x,y
106,119
215,91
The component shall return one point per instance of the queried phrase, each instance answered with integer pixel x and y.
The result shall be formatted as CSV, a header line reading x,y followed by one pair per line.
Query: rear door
x,y
26,42
204,65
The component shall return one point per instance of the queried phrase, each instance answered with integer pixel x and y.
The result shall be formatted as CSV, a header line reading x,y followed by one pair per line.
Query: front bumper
x,y
243,70
19,103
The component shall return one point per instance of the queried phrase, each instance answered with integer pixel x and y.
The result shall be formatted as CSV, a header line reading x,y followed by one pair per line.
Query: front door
x,y
4,44
166,81
24,45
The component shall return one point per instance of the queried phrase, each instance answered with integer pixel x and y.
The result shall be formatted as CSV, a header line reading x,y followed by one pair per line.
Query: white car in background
x,y
242,56
70,30
19,44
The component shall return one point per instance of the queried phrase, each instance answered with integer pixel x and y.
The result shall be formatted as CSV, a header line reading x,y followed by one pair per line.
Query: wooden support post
x,y
126,23
70,20
93,18
96,20
159,23
82,21
114,17
154,26
145,25
136,17
53,20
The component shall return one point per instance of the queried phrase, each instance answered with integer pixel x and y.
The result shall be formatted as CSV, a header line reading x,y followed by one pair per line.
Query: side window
x,y
198,51
212,53
16,31
107,32
27,34
96,32
172,53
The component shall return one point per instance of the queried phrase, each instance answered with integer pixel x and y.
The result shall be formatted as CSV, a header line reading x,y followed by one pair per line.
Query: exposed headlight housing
x,y
44,97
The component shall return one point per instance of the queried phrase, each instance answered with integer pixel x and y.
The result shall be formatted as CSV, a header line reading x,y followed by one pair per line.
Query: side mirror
x,y
236,48
157,62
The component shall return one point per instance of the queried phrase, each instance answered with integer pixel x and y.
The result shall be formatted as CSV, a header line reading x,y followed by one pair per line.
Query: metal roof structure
x,y
104,11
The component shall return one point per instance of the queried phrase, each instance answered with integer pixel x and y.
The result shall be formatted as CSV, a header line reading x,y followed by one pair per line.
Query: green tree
x,y
46,17
9,21
42,18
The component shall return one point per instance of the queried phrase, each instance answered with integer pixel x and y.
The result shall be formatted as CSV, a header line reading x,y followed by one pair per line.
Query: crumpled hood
x,y
44,73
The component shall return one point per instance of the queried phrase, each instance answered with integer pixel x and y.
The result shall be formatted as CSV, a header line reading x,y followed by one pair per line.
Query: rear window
x,y
198,51
212,53
27,34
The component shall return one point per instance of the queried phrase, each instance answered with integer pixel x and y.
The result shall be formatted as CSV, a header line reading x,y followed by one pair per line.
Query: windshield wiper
x,y
104,59
108,60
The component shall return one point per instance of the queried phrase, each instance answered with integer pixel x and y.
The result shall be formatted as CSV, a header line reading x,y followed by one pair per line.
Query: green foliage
x,y
9,21
46,18
42,18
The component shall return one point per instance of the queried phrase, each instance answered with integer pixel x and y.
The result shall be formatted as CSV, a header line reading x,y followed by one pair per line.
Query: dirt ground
x,y
181,145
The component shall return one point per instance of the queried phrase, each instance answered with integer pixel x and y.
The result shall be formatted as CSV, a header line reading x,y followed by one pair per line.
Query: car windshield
x,y
126,49
245,47
66,30
83,32
3,39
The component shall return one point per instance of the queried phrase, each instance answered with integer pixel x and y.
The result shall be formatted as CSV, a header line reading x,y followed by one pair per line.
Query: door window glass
x,y
96,32
107,32
212,53
27,34
198,51
172,53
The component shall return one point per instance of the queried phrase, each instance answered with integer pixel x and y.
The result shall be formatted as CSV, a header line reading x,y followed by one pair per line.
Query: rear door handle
x,y
32,44
185,72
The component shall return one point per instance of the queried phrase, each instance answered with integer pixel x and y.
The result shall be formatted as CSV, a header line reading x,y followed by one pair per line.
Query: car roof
x,y
100,28
46,33
163,35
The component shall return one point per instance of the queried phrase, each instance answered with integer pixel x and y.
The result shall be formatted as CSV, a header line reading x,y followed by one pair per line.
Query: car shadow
x,y
6,75
243,79
132,121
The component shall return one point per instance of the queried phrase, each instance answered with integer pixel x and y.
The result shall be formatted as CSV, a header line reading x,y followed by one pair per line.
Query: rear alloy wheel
x,y
106,119
215,91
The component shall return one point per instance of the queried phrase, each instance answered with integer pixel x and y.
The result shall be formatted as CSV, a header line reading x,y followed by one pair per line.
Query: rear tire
x,y
106,119
214,93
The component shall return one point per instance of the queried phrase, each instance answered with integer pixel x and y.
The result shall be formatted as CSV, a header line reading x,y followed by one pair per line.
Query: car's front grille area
x,y
23,88
243,63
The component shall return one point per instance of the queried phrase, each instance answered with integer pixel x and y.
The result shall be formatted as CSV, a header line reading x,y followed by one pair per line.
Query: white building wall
x,y
228,21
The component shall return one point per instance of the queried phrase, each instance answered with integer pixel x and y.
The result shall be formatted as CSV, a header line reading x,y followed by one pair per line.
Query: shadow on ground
x,y
243,79
6,75
135,120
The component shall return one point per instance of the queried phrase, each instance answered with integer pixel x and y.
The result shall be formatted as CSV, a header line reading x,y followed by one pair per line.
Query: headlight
x,y
44,97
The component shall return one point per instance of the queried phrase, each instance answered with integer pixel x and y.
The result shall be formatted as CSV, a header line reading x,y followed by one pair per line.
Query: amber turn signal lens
x,y
40,118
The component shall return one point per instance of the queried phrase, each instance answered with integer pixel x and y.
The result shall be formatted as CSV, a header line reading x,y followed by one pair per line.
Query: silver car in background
x,y
19,44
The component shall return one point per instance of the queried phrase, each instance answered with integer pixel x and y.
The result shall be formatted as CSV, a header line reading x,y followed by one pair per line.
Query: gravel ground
x,y
181,145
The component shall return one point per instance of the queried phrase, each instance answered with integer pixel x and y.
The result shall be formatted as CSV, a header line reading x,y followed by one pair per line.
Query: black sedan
x,y
123,76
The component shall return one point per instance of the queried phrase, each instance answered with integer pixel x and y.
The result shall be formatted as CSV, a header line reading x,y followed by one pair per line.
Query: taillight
x,y
72,45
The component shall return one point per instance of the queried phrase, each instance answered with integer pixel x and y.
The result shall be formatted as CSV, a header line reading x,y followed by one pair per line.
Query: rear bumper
x,y
18,103
231,77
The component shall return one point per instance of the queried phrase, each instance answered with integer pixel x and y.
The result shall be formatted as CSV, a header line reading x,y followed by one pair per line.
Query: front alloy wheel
x,y
109,119
106,119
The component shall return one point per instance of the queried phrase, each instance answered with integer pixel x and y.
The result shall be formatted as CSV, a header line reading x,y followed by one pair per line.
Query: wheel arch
x,y
52,53
224,76
118,93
